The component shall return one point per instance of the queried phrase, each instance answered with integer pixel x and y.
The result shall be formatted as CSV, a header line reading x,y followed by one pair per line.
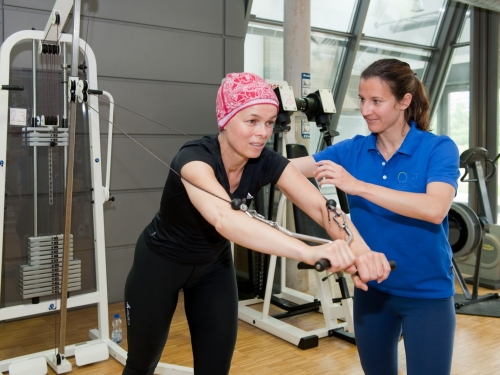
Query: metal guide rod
x,y
65,86
65,108
34,81
35,156
69,179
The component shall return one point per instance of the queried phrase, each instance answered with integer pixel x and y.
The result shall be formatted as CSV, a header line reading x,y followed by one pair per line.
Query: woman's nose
x,y
263,130
364,108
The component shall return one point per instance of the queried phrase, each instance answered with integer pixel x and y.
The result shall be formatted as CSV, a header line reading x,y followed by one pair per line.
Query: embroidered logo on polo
x,y
404,177
408,181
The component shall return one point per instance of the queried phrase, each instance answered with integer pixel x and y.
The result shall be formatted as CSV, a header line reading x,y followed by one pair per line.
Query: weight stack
x,y
42,275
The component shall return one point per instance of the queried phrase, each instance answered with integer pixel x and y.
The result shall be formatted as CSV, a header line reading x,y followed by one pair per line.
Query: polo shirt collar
x,y
410,143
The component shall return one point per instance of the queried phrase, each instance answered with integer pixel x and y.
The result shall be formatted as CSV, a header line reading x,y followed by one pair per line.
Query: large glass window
x,y
264,54
332,15
264,51
268,10
327,52
414,21
452,115
325,14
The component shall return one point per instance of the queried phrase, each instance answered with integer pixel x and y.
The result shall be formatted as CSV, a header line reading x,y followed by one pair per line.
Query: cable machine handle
x,y
95,92
110,139
466,167
13,87
493,168
110,143
324,264
474,155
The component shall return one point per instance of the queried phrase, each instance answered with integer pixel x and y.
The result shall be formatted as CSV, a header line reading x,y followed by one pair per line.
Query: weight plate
x,y
464,229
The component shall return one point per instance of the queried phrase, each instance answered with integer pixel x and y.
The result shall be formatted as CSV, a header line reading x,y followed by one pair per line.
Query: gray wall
x,y
163,59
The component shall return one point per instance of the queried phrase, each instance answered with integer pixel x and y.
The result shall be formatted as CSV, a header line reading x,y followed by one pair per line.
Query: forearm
x,y
256,235
338,229
423,206
306,165
251,233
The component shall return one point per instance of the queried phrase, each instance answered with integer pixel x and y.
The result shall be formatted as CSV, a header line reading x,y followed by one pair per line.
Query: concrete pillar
x,y
297,60
297,52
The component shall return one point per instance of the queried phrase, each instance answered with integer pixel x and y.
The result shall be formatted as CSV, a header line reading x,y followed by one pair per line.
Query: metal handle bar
x,y
12,87
477,154
324,264
321,264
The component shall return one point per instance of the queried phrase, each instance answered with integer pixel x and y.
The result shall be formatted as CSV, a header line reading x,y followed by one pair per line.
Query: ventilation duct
x,y
486,4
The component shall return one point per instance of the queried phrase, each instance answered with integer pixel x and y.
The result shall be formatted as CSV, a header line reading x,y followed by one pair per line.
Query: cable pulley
x,y
55,18
49,49
81,91
72,90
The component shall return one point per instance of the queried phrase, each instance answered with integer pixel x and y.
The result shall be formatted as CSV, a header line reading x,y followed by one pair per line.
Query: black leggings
x,y
210,303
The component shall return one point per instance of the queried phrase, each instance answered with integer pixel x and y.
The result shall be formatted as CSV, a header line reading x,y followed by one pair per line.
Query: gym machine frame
x,y
473,159
99,347
317,105
332,311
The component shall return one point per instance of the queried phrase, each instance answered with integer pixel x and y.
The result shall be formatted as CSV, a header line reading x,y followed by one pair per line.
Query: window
x,y
414,21
452,115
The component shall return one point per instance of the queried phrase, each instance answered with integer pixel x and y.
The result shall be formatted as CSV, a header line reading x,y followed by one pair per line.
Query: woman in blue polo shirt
x,y
400,181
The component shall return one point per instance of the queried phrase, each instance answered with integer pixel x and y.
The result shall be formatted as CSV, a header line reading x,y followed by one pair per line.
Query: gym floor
x,y
477,345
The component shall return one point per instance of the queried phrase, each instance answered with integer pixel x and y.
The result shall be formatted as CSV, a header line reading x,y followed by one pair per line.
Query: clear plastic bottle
x,y
116,329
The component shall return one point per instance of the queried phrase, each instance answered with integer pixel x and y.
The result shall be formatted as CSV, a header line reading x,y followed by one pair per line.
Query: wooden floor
x,y
477,346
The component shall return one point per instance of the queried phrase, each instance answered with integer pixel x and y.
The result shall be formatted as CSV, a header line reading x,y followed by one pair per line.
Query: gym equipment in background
x,y
465,234
28,140
337,312
472,235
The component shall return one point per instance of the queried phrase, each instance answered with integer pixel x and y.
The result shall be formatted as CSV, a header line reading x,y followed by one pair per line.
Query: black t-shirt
x,y
178,231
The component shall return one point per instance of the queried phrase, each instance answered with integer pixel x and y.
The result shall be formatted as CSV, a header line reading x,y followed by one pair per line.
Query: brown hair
x,y
401,80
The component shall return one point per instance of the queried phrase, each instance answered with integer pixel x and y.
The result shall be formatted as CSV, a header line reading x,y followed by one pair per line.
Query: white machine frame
x,y
98,297
332,312
99,347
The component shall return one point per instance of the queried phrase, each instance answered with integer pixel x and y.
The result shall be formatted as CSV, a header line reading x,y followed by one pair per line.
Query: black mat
x,y
489,307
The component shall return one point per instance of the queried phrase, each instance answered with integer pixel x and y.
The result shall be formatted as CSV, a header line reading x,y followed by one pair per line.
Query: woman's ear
x,y
405,102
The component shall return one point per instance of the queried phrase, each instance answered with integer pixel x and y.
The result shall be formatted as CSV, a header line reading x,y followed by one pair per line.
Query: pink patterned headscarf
x,y
239,91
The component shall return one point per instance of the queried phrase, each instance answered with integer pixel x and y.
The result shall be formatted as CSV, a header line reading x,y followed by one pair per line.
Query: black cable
x,y
145,117
156,157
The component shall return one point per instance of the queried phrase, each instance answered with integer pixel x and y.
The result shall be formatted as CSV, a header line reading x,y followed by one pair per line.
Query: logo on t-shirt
x,y
249,196
408,181
402,177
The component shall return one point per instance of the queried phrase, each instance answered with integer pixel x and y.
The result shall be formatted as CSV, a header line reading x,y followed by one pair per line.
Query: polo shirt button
x,y
383,163
384,177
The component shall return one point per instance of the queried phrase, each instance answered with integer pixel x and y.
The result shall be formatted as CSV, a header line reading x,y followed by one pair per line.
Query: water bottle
x,y
116,330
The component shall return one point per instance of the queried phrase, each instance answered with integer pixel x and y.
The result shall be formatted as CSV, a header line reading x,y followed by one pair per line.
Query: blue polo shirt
x,y
421,249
